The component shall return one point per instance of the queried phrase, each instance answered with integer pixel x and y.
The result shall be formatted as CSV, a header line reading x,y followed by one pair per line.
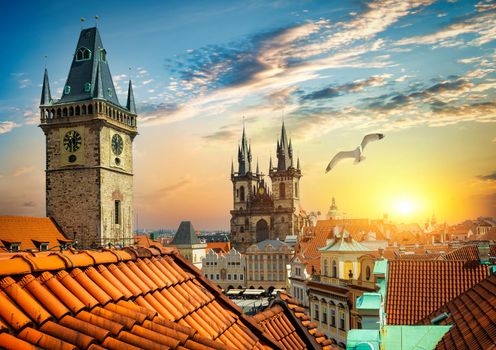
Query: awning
x,y
234,291
254,291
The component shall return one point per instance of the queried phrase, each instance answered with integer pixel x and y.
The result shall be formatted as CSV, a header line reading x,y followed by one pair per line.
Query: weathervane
x,y
96,17
82,19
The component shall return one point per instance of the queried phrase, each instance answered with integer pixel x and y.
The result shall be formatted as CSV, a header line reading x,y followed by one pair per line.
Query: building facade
x,y
261,212
89,150
266,265
227,270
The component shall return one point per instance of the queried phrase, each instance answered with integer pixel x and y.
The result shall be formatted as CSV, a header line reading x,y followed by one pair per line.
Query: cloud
x,y
486,5
355,86
222,135
483,26
23,171
7,126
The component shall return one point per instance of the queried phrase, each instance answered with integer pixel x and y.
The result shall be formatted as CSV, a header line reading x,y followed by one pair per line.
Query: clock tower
x,y
89,150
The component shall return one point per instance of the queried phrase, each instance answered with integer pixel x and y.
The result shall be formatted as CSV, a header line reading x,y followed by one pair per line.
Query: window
x,y
67,90
334,269
324,314
87,87
43,247
103,55
83,54
282,190
109,91
15,247
212,277
241,229
341,320
326,267
316,312
296,189
333,318
241,276
217,276
367,273
117,213
242,194
235,276
229,276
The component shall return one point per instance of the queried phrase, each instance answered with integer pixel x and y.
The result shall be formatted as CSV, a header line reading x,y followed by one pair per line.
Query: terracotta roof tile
x,y
417,288
10,342
126,299
469,253
291,329
473,315
30,232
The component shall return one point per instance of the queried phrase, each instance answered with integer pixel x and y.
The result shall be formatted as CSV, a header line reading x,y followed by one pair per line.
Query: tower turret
x,y
46,96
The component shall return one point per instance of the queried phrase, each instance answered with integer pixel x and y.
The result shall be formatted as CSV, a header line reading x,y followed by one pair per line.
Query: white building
x,y
226,270
188,243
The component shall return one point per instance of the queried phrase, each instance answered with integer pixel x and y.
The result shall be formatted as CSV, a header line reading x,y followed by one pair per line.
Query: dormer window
x,y
103,55
87,87
109,91
67,90
15,247
83,54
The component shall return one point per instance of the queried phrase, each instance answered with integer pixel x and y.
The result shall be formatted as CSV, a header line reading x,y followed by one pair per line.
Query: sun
x,y
404,207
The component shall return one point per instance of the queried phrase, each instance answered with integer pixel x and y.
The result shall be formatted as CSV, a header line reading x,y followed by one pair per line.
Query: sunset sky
x,y
423,72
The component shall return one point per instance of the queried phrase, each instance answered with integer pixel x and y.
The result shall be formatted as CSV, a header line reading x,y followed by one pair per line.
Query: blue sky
x,y
334,69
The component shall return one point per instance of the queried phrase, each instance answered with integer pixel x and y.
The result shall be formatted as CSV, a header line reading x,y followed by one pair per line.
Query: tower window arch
x,y
242,194
334,269
282,190
296,189
83,54
103,55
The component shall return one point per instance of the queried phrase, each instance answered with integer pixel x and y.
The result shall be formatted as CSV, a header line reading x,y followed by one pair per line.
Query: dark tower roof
x,y
89,66
244,156
46,96
131,107
284,151
185,234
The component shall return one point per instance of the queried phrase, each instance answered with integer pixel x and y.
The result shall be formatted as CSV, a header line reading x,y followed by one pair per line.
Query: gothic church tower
x,y
89,159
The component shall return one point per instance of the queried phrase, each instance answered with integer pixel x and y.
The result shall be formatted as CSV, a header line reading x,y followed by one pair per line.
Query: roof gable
x,y
185,235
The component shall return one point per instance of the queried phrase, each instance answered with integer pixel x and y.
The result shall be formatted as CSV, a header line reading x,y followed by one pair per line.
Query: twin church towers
x,y
89,163
260,212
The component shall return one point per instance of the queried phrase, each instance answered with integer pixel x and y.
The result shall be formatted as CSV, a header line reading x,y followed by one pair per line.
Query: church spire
x,y
284,151
98,90
244,155
131,107
46,96
298,163
232,168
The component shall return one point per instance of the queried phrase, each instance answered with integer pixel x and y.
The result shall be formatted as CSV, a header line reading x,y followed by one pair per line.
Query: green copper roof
x,y
344,243
363,339
369,301
380,267
412,337
92,69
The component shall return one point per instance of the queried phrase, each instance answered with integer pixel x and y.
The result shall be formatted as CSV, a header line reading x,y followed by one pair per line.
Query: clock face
x,y
72,141
117,144
261,190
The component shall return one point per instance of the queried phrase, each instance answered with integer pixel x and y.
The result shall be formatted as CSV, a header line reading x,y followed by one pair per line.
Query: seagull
x,y
356,153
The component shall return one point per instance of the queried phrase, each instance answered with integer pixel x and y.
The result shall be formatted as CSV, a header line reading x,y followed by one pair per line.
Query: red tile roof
x,y
29,232
473,315
469,253
285,321
218,247
118,299
417,288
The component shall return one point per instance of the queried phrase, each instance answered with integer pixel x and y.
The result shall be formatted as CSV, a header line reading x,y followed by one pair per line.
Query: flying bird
x,y
356,153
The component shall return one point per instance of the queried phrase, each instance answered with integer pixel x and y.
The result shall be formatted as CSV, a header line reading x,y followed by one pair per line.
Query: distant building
x,y
334,213
225,269
188,243
259,213
266,264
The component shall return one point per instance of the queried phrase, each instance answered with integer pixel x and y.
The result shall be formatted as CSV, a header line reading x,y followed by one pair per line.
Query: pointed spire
x,y
46,96
232,167
98,90
284,151
131,107
258,168
270,163
298,163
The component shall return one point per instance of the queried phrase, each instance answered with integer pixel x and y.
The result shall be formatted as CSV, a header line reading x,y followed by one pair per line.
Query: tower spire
x,y
232,167
46,96
130,105
284,151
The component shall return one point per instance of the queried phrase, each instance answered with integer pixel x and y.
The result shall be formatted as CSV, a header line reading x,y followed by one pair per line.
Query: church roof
x,y
133,298
273,242
91,67
344,242
185,235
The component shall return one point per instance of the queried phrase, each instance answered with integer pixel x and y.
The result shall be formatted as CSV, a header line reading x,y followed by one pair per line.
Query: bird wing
x,y
371,137
339,156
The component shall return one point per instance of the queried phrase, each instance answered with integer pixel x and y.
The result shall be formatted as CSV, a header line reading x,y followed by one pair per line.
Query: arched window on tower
x,y
83,54
334,269
326,267
296,189
282,190
242,194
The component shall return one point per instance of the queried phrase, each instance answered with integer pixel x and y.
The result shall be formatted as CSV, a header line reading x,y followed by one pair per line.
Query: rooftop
x,y
185,235
473,315
118,299
417,288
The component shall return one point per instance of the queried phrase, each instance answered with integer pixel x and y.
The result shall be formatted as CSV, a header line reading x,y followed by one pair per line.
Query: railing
x,y
333,281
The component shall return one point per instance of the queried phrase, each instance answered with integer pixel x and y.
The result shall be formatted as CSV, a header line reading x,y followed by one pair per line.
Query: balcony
x,y
332,281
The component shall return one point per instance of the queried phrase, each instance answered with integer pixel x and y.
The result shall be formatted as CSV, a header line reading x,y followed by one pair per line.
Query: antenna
x,y
96,17
46,61
82,19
